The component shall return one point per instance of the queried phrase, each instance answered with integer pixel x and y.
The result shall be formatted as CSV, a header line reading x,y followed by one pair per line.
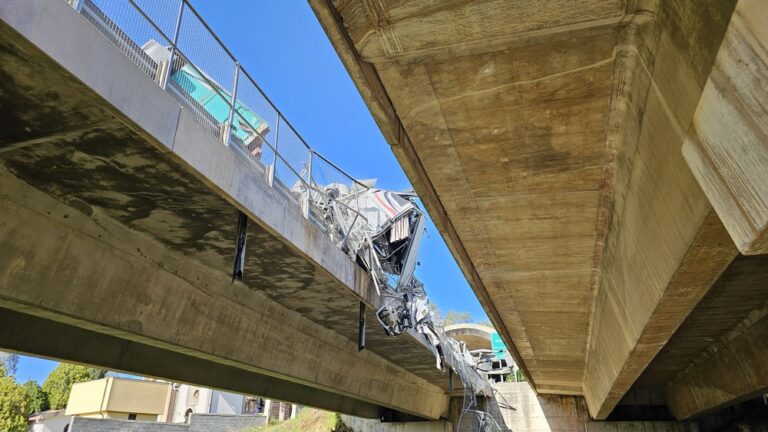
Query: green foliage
x,y
520,376
510,377
38,398
9,362
15,404
308,420
59,383
454,317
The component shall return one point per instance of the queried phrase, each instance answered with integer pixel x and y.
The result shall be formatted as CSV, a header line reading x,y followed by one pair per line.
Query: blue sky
x,y
284,48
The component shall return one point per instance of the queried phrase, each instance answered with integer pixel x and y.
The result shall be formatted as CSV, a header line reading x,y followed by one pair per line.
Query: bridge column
x,y
662,245
727,144
727,151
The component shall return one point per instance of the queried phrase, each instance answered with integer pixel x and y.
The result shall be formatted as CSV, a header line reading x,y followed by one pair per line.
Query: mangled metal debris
x,y
383,231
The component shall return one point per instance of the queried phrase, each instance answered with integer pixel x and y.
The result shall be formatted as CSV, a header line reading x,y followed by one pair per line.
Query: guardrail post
x,y
309,184
232,106
172,48
271,177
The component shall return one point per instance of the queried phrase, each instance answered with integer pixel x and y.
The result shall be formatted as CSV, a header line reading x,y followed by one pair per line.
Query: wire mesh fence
x,y
255,125
125,26
163,14
294,152
172,44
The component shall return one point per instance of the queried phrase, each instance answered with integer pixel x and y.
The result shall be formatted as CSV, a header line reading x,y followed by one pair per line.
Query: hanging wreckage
x,y
383,231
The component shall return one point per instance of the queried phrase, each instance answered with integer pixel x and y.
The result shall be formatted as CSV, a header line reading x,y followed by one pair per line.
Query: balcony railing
x,y
170,42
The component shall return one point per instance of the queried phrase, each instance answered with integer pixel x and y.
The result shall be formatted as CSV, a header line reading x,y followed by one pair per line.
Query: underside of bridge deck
x,y
118,217
546,140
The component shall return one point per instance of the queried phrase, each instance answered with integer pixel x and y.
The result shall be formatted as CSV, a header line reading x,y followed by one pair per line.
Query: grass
x,y
308,420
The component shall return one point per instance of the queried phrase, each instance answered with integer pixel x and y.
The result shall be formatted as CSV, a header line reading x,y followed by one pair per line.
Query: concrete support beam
x,y
735,372
662,247
373,91
89,272
32,334
727,144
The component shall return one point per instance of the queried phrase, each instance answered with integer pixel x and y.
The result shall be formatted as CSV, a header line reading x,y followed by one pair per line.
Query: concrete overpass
x,y
476,336
118,219
598,169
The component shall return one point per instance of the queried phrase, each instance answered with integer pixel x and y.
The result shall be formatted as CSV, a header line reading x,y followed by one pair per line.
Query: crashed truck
x,y
383,231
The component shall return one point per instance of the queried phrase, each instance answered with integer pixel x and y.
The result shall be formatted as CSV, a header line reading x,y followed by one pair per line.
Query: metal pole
x,y
309,183
232,105
271,179
175,40
346,236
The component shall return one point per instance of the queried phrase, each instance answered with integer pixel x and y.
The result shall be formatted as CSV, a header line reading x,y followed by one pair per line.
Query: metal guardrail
x,y
170,42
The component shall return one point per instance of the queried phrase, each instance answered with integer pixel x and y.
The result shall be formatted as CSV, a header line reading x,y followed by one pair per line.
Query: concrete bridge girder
x,y
121,212
579,162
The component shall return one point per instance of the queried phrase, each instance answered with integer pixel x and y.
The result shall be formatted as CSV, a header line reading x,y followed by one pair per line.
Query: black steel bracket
x,y
361,329
242,228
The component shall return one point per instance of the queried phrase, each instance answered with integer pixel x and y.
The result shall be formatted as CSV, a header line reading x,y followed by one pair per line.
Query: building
x,y
188,400
49,421
486,350
120,398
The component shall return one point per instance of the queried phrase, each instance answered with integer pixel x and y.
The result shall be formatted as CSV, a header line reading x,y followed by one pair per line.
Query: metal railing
x,y
170,42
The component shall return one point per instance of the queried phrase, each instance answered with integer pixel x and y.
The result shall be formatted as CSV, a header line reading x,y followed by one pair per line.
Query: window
x,y
187,416
252,405
132,416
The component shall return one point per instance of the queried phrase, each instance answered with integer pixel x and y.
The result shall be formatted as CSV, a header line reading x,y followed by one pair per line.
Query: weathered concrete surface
x,y
545,140
739,293
516,407
736,371
198,423
663,246
93,273
727,148
476,336
80,424
94,140
636,426
718,355
365,425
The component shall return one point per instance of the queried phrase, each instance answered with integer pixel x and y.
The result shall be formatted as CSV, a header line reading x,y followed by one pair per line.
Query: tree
x,y
59,383
9,362
486,323
454,317
15,404
437,316
38,398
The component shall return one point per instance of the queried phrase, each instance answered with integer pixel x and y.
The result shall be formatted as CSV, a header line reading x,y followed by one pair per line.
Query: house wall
x,y
137,396
87,397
